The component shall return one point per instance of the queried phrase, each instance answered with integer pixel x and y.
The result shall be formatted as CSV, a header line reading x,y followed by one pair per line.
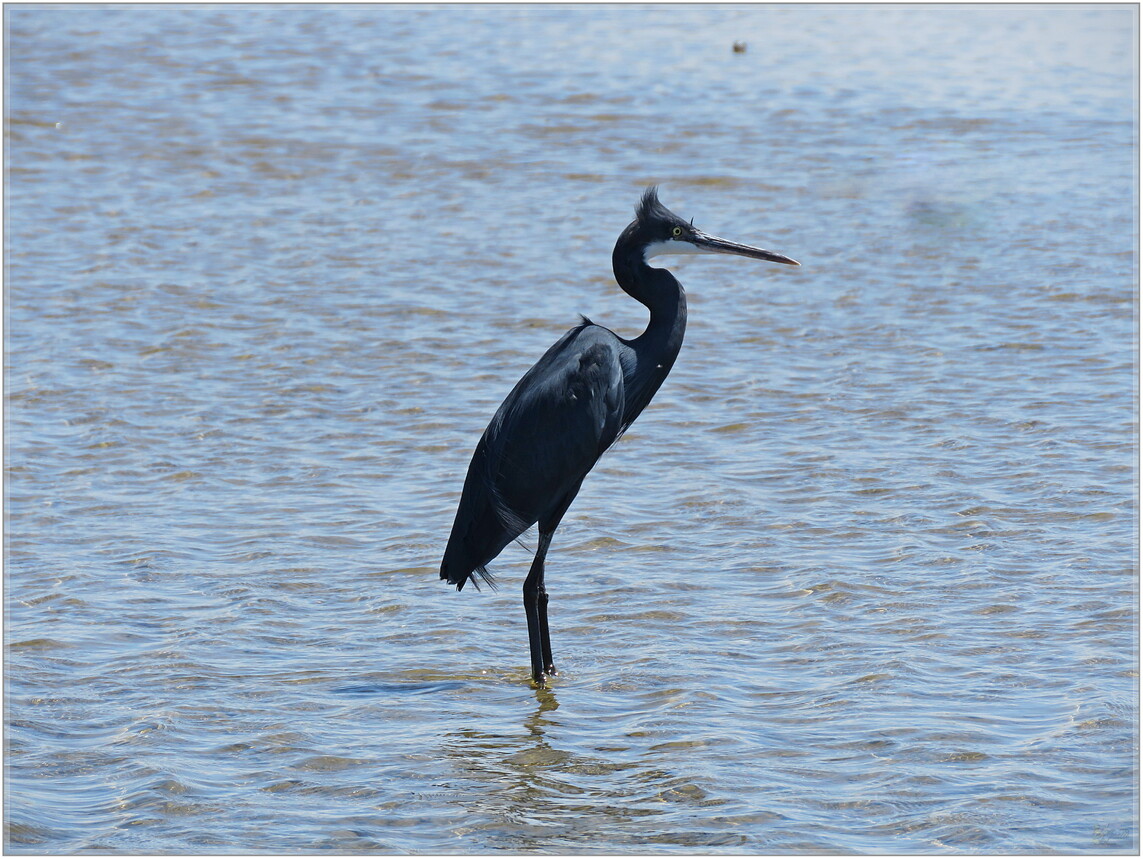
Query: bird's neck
x,y
658,346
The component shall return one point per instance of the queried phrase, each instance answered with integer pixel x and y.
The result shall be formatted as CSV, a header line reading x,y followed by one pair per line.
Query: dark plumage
x,y
569,408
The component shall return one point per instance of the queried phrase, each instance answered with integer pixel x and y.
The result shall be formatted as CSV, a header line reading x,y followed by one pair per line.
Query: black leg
x,y
545,639
536,610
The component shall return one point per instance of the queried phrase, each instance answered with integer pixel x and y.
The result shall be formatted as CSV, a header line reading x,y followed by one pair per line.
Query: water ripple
x,y
862,579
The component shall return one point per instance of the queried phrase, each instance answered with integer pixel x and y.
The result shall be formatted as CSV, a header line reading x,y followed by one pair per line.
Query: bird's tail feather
x,y
491,524
488,578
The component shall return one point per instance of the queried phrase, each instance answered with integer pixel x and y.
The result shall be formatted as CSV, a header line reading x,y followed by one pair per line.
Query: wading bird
x,y
569,408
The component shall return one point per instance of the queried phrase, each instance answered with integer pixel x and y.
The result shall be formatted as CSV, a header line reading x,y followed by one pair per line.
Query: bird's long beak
x,y
714,245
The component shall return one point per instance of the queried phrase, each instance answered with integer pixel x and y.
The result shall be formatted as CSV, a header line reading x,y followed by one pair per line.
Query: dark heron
x,y
571,407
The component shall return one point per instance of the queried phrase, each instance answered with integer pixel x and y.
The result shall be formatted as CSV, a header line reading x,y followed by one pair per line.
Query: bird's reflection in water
x,y
543,783
525,793
546,698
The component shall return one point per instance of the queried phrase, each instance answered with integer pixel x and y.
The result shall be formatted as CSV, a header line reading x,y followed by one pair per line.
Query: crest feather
x,y
649,205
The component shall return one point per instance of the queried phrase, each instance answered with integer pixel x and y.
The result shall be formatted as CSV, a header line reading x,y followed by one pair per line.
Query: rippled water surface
x,y
862,578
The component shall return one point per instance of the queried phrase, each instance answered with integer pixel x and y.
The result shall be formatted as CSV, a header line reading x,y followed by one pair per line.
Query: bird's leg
x,y
536,610
545,639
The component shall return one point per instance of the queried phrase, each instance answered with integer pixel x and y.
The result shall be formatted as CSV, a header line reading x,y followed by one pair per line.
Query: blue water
x,y
863,578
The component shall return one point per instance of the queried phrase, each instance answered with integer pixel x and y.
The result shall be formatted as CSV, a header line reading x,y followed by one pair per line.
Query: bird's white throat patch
x,y
669,246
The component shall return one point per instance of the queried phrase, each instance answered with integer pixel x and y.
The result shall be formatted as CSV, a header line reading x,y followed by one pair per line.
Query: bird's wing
x,y
553,426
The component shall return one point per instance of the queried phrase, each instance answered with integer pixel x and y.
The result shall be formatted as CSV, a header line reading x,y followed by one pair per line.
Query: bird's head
x,y
657,230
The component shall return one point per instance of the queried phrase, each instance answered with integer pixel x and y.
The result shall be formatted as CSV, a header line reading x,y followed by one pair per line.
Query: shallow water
x,y
862,578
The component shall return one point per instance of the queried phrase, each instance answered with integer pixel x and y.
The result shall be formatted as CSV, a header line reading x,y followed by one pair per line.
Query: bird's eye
x,y
677,231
